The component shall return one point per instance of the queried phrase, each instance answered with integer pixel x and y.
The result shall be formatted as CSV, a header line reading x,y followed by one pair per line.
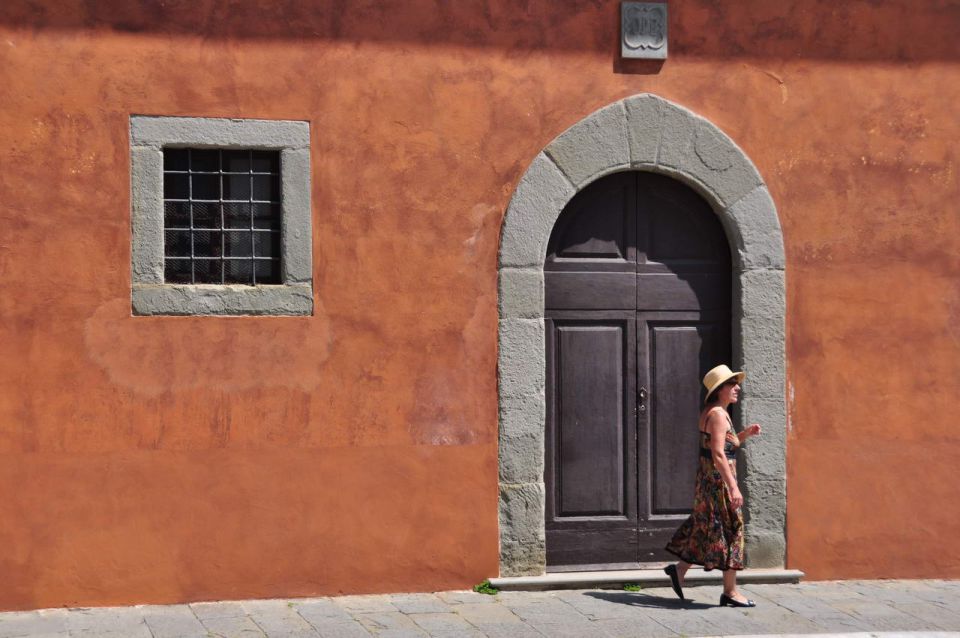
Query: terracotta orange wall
x,y
170,459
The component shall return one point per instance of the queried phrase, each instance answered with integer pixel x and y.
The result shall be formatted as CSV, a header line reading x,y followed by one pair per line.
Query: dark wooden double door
x,y
637,309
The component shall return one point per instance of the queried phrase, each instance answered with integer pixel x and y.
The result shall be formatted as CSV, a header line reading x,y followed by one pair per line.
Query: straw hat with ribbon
x,y
718,376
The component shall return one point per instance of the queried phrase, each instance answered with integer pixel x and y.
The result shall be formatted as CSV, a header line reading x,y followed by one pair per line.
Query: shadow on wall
x,y
891,30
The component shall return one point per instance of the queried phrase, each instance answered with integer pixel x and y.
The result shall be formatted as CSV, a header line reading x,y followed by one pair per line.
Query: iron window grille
x,y
222,216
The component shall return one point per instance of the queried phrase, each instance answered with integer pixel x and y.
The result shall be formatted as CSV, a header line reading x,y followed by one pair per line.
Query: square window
x,y
222,218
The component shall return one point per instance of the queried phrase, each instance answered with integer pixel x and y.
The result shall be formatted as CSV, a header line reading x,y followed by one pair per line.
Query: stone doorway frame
x,y
644,132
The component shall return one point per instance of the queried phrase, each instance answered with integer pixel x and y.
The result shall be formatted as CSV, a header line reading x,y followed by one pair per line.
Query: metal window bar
x,y
273,206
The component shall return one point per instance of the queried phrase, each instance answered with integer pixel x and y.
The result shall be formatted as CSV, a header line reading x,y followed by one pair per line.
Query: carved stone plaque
x,y
643,30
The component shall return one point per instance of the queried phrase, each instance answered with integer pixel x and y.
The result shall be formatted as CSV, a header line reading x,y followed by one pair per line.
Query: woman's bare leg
x,y
730,585
682,567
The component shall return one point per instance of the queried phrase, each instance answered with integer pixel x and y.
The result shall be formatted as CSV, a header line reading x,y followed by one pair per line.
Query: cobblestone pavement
x,y
847,607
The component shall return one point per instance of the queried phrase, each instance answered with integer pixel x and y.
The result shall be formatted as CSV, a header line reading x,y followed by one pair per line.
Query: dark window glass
x,y
206,215
176,215
236,161
178,271
176,159
237,271
217,241
207,243
268,271
236,187
237,243
176,243
207,271
266,216
204,160
266,188
205,186
176,186
265,161
236,215
266,244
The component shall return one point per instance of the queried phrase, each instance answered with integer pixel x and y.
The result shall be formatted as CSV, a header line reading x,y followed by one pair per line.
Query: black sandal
x,y
733,602
671,571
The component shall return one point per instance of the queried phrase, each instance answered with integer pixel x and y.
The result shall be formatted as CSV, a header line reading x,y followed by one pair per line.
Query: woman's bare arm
x,y
751,430
717,426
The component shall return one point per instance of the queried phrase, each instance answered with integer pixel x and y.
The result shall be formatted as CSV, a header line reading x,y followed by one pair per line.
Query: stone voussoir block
x,y
677,128
754,229
521,362
521,293
594,146
643,128
716,162
540,196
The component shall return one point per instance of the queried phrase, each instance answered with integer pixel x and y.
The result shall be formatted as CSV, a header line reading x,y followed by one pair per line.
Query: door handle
x,y
642,399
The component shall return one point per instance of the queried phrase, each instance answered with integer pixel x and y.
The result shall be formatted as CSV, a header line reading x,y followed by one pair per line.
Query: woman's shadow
x,y
639,599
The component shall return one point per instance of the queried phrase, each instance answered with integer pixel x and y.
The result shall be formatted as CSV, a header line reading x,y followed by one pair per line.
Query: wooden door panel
x,y
590,423
582,549
690,291
675,349
590,291
591,433
597,230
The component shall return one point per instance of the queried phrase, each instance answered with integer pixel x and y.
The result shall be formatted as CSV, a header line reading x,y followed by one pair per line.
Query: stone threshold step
x,y
642,577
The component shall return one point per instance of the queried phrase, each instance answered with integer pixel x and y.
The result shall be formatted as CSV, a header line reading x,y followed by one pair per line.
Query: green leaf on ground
x,y
486,588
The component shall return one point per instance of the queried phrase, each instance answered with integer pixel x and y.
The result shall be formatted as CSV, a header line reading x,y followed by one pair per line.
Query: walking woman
x,y
713,534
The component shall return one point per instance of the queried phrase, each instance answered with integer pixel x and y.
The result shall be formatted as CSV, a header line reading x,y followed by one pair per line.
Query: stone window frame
x,y
149,135
645,133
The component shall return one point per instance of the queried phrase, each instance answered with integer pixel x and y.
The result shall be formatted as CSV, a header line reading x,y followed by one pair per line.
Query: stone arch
x,y
643,132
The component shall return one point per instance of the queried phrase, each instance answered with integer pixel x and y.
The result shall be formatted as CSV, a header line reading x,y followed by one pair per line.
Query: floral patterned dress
x,y
713,534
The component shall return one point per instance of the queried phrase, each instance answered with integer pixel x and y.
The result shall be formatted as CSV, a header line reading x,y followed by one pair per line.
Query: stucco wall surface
x,y
161,459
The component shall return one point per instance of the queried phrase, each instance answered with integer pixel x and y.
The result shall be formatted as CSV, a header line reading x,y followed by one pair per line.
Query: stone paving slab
x,y
853,609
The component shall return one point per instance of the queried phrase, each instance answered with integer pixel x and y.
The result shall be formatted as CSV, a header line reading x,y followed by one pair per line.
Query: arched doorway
x,y
640,133
637,309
